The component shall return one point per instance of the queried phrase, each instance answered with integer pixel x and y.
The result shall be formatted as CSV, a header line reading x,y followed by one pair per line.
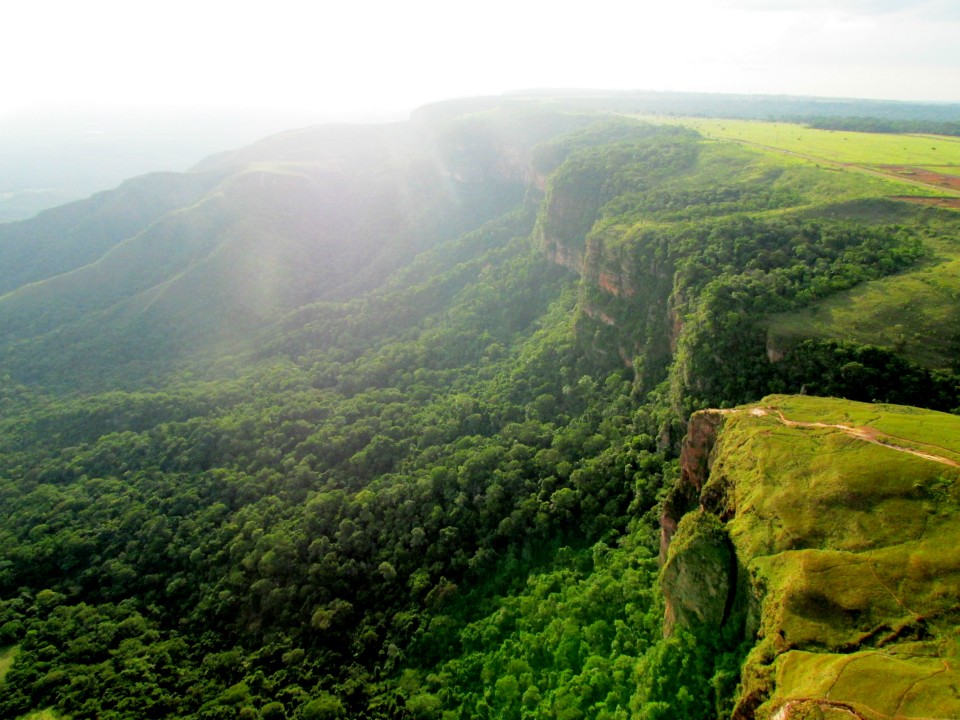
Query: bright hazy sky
x,y
361,56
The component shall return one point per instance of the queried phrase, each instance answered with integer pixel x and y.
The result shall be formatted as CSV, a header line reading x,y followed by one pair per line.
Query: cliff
x,y
840,519
593,198
695,462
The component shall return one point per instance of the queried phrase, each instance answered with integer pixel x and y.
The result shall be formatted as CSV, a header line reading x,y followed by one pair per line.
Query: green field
x,y
866,156
721,162
835,146
916,427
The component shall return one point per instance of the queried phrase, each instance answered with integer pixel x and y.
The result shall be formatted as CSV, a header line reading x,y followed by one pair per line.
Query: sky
x,y
355,57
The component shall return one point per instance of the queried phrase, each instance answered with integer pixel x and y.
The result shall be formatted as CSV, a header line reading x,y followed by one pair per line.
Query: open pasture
x,y
834,145
927,162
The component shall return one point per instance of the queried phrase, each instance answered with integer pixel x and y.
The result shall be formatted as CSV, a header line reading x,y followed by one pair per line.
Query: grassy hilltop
x,y
843,517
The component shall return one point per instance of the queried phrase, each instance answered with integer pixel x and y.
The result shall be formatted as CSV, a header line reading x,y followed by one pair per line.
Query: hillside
x,y
381,421
107,290
839,519
911,312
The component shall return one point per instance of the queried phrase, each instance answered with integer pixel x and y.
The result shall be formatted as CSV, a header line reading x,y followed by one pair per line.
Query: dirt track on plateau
x,y
865,433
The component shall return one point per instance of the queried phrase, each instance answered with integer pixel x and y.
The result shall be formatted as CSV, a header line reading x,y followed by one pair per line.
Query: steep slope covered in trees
x,y
391,410
108,289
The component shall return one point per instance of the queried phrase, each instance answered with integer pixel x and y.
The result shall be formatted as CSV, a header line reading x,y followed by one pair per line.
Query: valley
x,y
522,408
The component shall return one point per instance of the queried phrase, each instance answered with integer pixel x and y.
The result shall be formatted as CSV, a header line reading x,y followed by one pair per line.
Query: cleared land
x,y
926,175
923,161
914,313
837,146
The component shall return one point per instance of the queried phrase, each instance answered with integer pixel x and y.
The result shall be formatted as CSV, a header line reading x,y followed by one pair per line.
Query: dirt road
x,y
865,433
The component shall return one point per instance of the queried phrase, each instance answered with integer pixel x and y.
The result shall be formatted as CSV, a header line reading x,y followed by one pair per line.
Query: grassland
x,y
917,426
882,156
804,675
801,183
7,656
848,148
946,169
721,161
853,544
914,313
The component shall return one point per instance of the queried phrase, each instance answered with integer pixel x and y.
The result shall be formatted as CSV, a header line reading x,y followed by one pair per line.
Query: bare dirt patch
x,y
924,175
942,202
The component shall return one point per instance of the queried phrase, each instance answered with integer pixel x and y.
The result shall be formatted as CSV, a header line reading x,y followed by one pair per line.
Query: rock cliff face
x,y
695,462
700,578
625,300
699,575
827,528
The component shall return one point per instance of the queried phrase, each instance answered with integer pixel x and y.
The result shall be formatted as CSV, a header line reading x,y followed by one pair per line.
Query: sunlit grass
x,y
834,145
724,163
854,545
7,656
874,683
945,169
861,155
860,158
910,424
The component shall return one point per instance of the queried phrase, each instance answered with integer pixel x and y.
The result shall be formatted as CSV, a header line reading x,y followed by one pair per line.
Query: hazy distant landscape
x,y
58,155
52,156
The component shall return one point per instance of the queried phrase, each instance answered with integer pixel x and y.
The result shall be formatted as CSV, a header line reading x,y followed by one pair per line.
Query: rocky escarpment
x,y
824,528
700,577
695,462
625,295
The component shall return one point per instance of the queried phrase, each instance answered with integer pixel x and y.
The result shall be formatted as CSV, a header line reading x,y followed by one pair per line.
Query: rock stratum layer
x,y
828,529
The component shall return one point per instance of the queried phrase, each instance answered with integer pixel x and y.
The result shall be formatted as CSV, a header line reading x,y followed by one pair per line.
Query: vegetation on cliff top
x,y
842,515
